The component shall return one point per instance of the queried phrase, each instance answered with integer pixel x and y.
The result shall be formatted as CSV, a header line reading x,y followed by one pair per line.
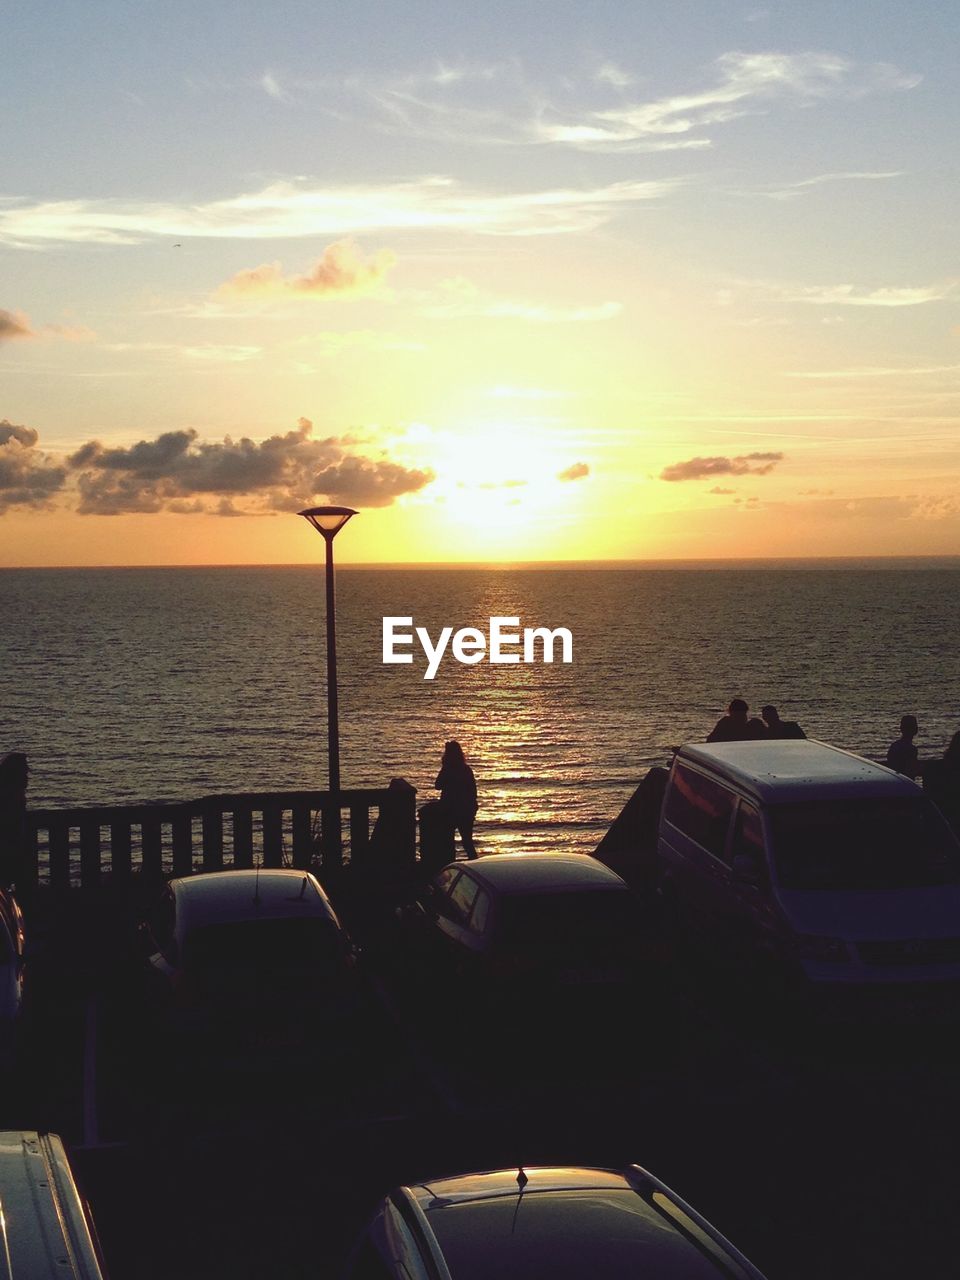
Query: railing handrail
x,y
177,836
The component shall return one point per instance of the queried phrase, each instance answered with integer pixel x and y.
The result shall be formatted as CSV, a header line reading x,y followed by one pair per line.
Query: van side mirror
x,y
747,869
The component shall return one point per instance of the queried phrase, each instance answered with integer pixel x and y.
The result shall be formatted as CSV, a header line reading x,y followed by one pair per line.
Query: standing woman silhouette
x,y
458,793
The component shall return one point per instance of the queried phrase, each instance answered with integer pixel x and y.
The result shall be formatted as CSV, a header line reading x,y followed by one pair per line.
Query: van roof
x,y
783,770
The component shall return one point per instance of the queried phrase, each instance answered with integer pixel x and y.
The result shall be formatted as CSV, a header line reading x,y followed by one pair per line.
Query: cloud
x,y
789,190
575,472
839,295
744,84
749,464
458,298
340,271
14,324
178,472
717,488
877,371
368,483
293,209
848,295
28,477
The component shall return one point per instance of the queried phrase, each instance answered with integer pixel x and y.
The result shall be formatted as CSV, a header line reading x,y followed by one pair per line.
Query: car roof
x,y
784,770
584,1220
543,872
221,897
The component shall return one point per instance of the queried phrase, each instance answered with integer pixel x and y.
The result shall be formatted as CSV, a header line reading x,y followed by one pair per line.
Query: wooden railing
x,y
69,848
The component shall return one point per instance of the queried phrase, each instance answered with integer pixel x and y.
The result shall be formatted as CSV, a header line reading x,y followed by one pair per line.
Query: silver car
x,y
565,1223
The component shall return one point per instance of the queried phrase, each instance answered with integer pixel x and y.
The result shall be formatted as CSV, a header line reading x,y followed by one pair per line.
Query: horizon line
x,y
703,562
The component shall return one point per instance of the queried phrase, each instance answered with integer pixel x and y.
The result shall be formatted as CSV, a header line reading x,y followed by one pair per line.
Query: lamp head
x,y
328,520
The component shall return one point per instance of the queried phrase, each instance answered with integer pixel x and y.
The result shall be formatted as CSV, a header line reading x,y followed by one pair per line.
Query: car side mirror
x,y
747,870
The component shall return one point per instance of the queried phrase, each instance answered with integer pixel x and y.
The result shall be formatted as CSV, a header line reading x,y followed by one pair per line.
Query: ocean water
x,y
125,685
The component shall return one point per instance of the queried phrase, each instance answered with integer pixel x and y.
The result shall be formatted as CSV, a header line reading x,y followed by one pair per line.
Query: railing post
x,y
302,832
272,835
243,837
89,853
212,839
59,844
120,850
331,834
182,842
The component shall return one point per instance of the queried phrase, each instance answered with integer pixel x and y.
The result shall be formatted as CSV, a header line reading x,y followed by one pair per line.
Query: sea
x,y
163,684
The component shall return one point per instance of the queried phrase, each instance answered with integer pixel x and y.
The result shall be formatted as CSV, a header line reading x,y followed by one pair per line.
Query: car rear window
x,y
286,946
883,843
567,1235
557,917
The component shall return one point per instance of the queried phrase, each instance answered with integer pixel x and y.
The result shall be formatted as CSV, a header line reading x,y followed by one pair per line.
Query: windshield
x,y
603,914
883,843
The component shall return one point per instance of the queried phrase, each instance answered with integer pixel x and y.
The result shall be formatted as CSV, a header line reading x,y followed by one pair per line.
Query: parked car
x,y
251,958
45,1228
823,866
11,977
565,1223
553,918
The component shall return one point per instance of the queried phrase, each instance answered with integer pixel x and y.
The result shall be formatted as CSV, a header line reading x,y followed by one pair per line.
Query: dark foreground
x,y
819,1150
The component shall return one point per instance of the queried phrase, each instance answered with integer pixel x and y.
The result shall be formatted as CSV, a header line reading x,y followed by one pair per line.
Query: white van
x,y
829,867
44,1228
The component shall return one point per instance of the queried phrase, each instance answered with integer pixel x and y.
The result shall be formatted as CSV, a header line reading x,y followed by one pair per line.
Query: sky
x,y
656,279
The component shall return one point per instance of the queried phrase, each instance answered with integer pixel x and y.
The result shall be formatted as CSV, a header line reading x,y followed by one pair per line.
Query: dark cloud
x,y
177,472
28,476
747,464
13,324
576,472
368,483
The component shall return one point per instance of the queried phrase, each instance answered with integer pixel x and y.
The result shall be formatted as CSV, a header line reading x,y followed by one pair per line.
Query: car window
x,y
481,912
748,834
445,880
700,807
462,896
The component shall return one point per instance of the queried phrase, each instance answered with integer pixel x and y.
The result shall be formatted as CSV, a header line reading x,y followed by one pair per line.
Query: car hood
x,y
867,914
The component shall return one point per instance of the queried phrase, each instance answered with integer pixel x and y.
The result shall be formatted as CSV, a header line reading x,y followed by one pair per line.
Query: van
x,y
44,1227
799,860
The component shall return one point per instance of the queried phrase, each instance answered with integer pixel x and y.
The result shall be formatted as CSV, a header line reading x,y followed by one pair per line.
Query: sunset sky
x,y
538,280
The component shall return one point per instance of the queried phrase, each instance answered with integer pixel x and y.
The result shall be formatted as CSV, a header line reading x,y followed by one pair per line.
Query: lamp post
x,y
329,521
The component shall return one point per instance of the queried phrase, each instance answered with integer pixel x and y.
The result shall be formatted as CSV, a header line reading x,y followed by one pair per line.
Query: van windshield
x,y
882,843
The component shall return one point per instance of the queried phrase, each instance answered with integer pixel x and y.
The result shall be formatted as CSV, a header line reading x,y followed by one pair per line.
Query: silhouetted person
x,y
777,728
737,725
14,775
902,754
941,780
458,794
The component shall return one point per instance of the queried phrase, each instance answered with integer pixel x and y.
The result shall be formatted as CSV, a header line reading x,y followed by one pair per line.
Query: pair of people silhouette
x,y
739,726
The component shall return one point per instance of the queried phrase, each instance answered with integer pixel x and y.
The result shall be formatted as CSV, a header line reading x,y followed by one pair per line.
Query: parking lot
x,y
819,1150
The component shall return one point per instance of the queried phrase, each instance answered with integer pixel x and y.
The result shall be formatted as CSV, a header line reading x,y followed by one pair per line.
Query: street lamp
x,y
329,521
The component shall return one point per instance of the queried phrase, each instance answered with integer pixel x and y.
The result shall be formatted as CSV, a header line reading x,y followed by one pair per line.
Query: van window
x,y
700,807
748,834
882,843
